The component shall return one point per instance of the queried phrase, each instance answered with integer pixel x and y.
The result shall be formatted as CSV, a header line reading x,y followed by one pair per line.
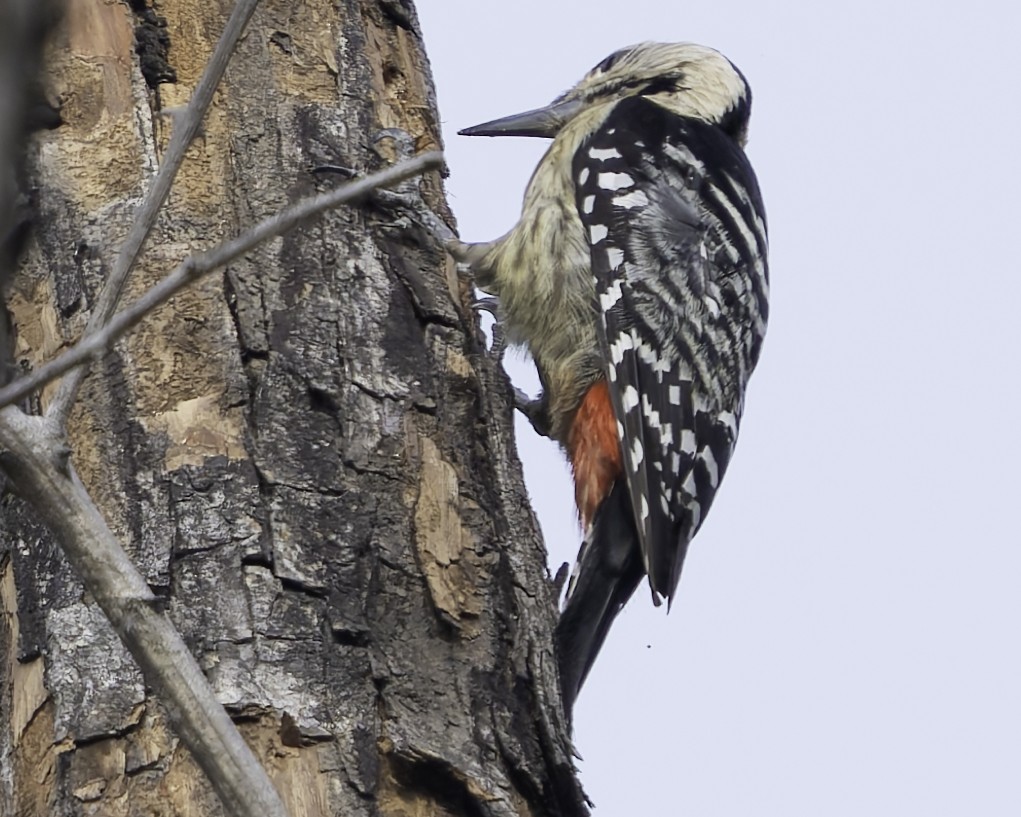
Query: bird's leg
x,y
536,410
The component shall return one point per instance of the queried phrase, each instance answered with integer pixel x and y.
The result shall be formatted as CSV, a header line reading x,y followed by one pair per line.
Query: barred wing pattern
x,y
678,241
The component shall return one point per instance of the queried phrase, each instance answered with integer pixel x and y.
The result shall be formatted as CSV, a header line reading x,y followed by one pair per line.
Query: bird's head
x,y
689,80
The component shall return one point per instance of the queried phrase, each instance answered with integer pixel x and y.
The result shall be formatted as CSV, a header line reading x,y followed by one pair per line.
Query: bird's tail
x,y
608,571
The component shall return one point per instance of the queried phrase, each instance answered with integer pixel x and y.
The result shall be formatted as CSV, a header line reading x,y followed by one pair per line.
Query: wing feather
x,y
678,259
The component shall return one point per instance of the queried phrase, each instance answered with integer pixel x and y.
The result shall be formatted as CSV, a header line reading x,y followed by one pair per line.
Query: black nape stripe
x,y
660,85
612,60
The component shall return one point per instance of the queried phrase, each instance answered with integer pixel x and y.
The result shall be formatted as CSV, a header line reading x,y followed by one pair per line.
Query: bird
x,y
637,278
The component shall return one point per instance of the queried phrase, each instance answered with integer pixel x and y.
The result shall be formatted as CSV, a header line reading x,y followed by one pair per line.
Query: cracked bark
x,y
309,457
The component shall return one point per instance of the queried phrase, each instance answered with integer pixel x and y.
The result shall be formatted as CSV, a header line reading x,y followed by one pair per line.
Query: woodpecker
x,y
637,279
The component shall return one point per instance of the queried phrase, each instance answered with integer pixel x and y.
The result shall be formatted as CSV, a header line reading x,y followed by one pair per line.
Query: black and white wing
x,y
678,240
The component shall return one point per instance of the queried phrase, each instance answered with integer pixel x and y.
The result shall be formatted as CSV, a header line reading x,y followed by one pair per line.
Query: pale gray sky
x,y
846,637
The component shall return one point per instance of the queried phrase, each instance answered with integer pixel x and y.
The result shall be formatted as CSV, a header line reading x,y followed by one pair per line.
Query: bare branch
x,y
195,266
35,456
37,461
185,130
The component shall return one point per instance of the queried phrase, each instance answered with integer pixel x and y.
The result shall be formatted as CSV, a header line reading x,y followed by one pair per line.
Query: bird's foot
x,y
535,410
491,305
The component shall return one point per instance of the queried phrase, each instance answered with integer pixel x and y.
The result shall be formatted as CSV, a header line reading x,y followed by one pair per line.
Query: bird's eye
x,y
660,85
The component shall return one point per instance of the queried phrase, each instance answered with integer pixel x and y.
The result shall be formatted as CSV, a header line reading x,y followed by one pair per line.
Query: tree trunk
x,y
309,457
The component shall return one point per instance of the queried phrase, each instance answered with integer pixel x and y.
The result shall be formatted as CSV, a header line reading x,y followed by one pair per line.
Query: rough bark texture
x,y
309,457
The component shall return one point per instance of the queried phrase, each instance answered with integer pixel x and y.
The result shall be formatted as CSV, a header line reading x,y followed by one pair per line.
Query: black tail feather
x,y
610,570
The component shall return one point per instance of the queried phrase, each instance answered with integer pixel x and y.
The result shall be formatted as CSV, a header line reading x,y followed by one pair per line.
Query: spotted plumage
x,y
637,278
673,214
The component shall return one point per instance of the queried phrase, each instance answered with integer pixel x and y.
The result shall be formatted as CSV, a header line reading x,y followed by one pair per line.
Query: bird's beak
x,y
545,122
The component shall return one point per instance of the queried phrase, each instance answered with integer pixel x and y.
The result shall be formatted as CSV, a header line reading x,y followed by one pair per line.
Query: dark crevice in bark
x,y
351,638
322,401
440,781
183,552
420,294
113,734
401,13
257,560
152,45
304,589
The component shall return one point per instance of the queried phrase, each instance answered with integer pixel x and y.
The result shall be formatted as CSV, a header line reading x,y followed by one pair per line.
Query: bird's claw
x,y
491,305
535,410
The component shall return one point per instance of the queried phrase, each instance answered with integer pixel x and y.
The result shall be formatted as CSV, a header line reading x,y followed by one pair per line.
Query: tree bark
x,y
310,457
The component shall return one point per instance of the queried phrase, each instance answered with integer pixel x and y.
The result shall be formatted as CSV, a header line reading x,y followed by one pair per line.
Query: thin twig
x,y
195,266
185,129
36,460
35,456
